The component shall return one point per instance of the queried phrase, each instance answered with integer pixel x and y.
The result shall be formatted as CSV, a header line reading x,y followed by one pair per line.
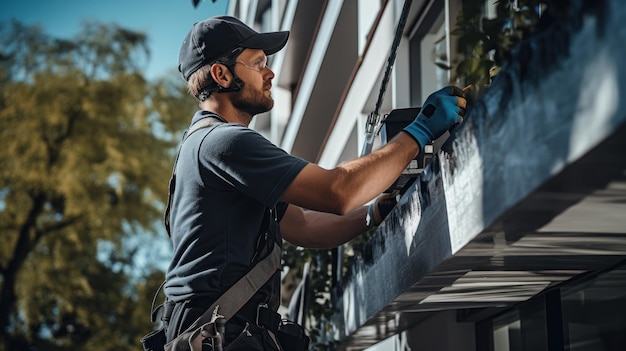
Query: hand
x,y
380,208
441,111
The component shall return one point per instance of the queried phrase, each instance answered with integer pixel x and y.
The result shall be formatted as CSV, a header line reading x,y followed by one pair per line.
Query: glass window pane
x,y
594,313
506,332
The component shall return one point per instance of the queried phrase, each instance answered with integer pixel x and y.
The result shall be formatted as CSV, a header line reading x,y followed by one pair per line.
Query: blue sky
x,y
166,22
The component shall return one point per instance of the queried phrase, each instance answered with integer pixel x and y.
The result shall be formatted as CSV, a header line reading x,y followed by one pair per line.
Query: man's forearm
x,y
372,174
320,230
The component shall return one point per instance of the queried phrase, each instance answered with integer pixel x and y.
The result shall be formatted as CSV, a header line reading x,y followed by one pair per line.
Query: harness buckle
x,y
258,313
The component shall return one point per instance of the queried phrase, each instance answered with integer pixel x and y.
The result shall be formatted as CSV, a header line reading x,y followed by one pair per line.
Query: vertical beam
x,y
364,81
310,75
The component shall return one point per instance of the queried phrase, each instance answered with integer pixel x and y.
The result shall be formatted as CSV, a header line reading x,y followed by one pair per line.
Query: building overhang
x,y
529,192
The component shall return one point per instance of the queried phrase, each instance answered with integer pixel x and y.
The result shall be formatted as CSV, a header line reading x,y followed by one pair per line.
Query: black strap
x,y
203,123
231,301
374,122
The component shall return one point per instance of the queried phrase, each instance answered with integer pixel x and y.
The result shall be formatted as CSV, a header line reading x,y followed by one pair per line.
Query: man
x,y
229,176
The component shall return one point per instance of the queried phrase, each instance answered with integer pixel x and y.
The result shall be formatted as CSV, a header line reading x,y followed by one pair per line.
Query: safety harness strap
x,y
230,302
203,123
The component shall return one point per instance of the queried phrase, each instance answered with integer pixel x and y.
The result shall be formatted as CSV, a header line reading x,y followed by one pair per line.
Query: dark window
x,y
594,313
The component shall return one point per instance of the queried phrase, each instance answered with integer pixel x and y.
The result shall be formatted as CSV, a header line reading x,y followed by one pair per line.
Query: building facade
x,y
514,236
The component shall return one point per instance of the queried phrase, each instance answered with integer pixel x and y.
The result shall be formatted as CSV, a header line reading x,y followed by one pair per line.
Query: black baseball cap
x,y
217,36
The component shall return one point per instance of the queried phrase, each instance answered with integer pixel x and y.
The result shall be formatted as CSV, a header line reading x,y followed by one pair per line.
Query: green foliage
x,y
486,43
86,157
318,300
318,304
196,2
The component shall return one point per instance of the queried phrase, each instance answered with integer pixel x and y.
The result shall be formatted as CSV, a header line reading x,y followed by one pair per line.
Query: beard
x,y
252,101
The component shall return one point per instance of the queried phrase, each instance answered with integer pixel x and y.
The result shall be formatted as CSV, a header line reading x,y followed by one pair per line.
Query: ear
x,y
221,75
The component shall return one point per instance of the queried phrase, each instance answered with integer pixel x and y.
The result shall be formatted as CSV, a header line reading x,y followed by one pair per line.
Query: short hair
x,y
201,84
200,81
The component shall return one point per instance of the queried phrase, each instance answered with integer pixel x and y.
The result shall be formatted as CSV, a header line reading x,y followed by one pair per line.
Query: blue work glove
x,y
441,111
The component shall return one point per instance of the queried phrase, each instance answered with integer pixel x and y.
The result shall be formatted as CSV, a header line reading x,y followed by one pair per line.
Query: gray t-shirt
x,y
226,178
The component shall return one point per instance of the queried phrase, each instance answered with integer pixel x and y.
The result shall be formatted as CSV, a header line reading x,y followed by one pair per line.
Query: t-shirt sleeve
x,y
247,161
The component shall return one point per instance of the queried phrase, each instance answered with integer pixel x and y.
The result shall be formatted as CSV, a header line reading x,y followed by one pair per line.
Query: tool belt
x,y
209,330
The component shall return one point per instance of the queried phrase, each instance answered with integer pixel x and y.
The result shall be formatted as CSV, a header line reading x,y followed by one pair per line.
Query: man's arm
x,y
318,230
354,183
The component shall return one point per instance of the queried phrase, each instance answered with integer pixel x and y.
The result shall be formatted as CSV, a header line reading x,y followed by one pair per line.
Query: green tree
x,y
86,157
486,43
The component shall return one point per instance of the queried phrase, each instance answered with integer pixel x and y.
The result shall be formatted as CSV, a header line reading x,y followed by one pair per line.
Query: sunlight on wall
x,y
410,219
463,191
597,106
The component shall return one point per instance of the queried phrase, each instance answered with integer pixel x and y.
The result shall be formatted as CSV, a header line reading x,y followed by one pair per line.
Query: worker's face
x,y
255,96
